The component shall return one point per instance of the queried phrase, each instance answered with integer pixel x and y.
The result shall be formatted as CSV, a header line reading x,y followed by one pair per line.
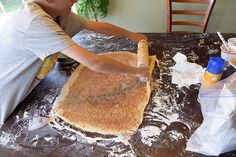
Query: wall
x,y
150,15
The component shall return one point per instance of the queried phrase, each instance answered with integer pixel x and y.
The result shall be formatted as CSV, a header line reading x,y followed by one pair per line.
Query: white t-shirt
x,y
28,36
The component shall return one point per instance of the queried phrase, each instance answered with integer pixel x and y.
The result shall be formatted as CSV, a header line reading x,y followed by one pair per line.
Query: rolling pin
x,y
143,56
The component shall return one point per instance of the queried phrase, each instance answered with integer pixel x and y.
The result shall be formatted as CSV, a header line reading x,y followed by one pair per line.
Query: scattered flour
x,y
48,138
163,110
174,135
5,138
34,141
128,153
149,134
49,98
8,140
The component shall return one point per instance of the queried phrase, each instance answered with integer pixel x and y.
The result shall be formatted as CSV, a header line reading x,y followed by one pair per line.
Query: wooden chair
x,y
202,25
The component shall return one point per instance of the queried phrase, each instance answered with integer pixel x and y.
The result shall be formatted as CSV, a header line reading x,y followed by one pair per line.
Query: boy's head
x,y
57,7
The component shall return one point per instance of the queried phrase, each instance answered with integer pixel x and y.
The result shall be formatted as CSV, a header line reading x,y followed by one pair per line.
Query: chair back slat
x,y
206,14
188,23
189,12
191,1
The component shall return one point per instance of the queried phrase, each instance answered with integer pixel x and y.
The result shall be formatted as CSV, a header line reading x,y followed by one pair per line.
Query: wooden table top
x,y
170,118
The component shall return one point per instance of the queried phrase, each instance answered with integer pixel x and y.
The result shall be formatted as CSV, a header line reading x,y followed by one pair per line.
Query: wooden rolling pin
x,y
143,56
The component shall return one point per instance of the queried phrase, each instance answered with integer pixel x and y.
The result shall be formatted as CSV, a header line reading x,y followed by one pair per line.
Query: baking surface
x,y
170,117
104,103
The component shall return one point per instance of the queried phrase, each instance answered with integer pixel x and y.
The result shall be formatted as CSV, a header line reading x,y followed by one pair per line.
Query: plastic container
x,y
213,71
226,55
232,44
232,62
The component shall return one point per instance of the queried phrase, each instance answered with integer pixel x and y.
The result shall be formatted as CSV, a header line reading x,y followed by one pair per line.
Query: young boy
x,y
40,29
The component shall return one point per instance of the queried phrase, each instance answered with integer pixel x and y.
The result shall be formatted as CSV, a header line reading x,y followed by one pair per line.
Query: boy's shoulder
x,y
30,11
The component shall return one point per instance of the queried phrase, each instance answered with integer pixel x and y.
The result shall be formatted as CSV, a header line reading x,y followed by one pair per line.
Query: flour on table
x,y
49,98
8,140
163,109
174,135
149,134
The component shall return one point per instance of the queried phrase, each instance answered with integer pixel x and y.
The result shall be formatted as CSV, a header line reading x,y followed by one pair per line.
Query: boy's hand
x,y
142,74
137,37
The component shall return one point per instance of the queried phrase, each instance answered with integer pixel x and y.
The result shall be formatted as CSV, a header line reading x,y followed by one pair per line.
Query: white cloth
x,y
185,73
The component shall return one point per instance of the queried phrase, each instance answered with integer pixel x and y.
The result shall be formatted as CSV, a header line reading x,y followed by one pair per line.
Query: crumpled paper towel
x,y
185,73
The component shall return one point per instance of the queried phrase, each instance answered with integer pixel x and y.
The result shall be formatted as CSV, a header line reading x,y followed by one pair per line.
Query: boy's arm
x,y
109,29
101,63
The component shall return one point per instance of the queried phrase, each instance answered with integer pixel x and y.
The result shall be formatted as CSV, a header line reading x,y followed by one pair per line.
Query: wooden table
x,y
172,115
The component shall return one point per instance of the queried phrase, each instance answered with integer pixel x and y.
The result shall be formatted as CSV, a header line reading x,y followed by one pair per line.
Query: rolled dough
x,y
108,104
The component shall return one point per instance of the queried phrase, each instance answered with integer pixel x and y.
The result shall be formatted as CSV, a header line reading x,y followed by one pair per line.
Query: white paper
x,y
185,73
